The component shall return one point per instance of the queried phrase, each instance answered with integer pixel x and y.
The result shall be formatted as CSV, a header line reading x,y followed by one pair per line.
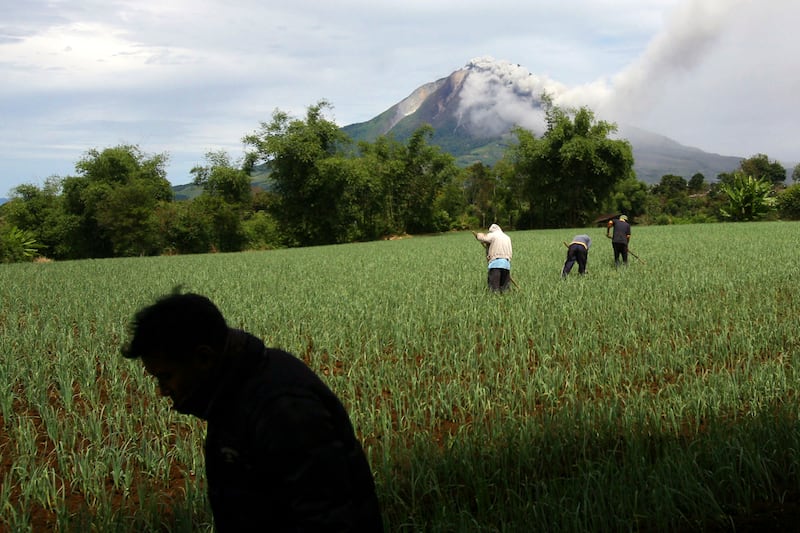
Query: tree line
x,y
322,188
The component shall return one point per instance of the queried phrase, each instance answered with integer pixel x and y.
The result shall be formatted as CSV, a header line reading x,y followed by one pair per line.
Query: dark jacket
x,y
281,453
622,231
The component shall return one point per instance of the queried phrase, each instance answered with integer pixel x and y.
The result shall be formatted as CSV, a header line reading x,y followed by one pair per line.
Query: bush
x,y
17,245
262,232
789,203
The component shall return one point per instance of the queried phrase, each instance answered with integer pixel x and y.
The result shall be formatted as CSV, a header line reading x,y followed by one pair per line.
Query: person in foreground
x,y
498,255
281,453
577,251
620,238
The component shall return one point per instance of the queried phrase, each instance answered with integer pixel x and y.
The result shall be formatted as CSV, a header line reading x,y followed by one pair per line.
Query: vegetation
x,y
660,397
17,245
748,198
566,173
788,202
304,182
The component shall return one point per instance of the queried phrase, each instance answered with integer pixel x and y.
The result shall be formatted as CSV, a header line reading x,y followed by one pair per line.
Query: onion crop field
x,y
658,397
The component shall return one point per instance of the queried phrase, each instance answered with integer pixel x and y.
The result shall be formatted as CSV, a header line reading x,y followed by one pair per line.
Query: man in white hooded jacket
x,y
498,255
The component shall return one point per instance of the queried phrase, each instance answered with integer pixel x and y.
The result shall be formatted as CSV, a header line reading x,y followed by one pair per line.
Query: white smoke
x,y
498,94
688,38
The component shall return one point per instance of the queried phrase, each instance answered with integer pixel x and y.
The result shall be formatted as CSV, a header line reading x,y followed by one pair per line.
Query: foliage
x,y
671,197
223,178
185,228
262,231
424,173
572,168
629,196
225,199
40,212
748,198
325,192
17,244
697,183
788,202
294,149
760,168
113,202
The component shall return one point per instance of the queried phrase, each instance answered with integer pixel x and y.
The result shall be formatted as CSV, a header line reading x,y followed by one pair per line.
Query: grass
x,y
657,397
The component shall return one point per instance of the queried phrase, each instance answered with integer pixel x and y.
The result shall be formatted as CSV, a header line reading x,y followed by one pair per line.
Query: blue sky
x,y
188,77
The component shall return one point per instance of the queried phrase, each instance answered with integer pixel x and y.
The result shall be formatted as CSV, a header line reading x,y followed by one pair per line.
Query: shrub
x,y
17,245
789,203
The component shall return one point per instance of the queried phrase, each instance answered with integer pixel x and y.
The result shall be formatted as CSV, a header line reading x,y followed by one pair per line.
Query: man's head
x,y
180,338
624,218
494,227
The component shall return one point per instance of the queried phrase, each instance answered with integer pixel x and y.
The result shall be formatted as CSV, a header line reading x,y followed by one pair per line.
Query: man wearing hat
x,y
620,238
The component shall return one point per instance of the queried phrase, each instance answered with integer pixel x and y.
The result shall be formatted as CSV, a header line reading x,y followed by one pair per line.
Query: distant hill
x,y
258,178
473,110
655,155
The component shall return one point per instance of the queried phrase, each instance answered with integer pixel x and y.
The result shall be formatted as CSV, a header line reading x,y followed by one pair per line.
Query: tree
x,y
185,227
788,202
760,167
384,160
480,185
226,197
630,196
670,186
796,173
572,168
748,198
293,150
40,211
223,178
126,215
425,173
697,183
113,202
672,193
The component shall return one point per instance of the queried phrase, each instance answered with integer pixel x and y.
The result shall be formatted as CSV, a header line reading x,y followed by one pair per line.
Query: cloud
x,y
187,77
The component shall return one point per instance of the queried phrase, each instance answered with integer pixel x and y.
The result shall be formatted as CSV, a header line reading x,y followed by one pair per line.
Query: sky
x,y
185,78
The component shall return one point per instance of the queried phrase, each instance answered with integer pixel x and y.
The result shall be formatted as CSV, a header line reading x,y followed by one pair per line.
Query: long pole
x,y
636,256
629,251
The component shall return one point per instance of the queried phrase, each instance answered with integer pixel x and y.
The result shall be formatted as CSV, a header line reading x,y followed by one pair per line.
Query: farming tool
x,y
636,256
630,252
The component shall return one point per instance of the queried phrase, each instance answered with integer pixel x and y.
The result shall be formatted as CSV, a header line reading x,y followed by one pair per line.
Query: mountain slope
x,y
473,110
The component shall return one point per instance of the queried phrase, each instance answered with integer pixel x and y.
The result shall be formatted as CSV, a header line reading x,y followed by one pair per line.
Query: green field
x,y
658,397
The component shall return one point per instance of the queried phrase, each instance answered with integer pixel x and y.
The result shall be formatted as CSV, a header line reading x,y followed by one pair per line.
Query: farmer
x,y
577,251
498,255
280,451
620,238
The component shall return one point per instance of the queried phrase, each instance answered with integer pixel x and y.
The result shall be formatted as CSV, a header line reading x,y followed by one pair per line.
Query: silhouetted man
x,y
281,453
